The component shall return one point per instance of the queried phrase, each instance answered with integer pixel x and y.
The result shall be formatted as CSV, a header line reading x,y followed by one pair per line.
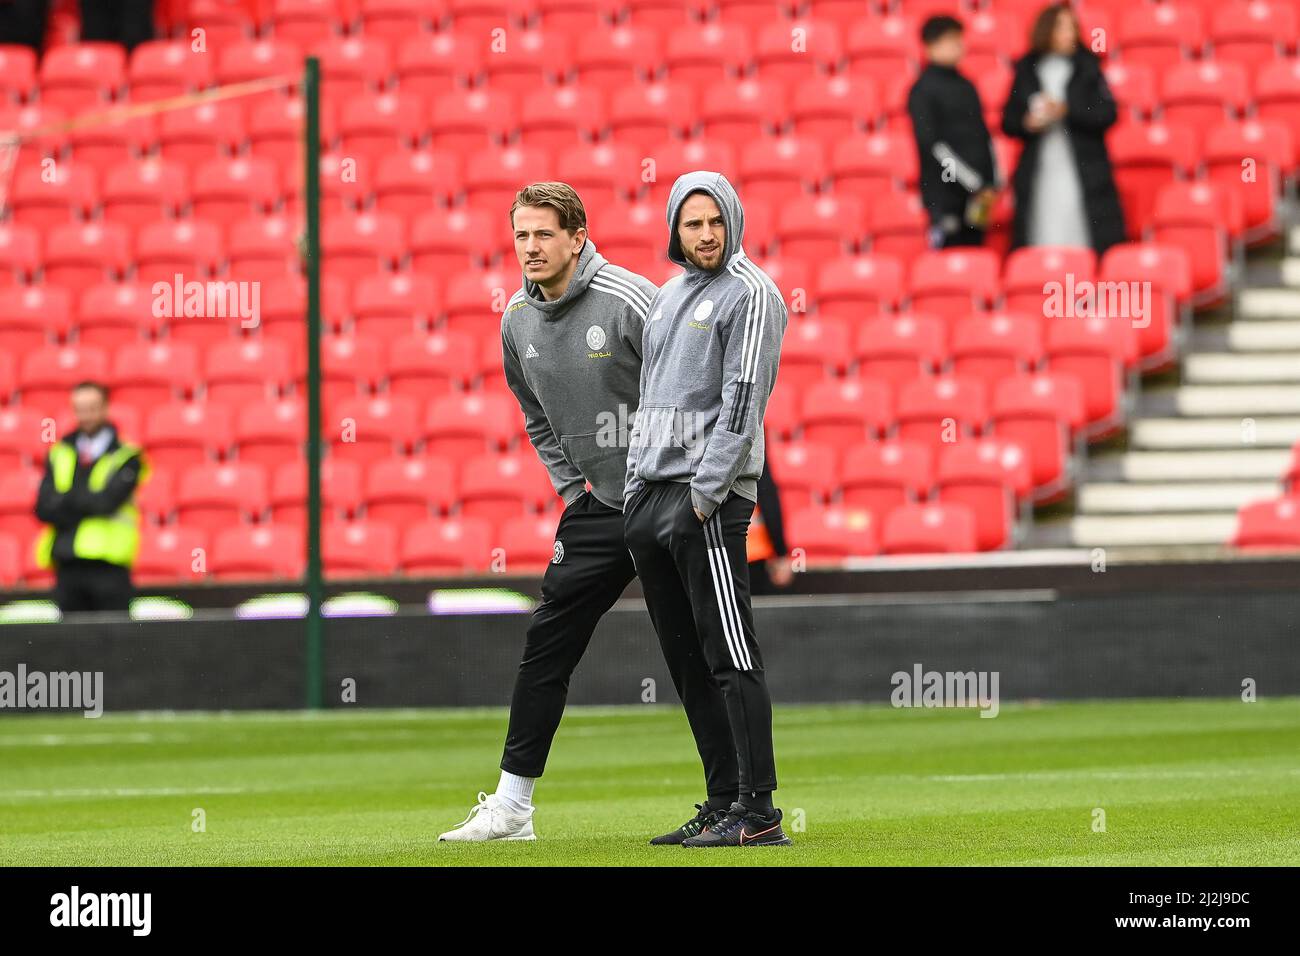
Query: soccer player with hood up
x,y
709,361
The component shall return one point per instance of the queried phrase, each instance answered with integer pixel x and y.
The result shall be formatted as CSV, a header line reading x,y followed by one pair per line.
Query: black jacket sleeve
x,y
1090,104
53,507
769,506
112,496
1017,105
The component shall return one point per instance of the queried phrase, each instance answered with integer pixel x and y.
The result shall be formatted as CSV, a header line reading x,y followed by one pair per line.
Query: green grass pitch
x,y
1180,782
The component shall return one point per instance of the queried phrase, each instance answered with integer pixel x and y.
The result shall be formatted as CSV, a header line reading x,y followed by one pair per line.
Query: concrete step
x,y
1222,400
1158,434
1271,336
1171,497
1247,464
1114,531
1214,368
1266,303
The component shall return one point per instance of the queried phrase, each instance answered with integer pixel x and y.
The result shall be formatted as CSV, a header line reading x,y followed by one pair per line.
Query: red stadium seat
x,y
263,247
21,438
340,491
449,241
268,433
499,487
616,56
1160,35
275,129
83,254
1251,159
398,20
182,434
203,132
603,173
228,190
431,64
18,490
880,477
446,546
306,22
358,548
829,109
987,476
359,245
190,247
160,69
842,413
929,529
776,56
804,472
222,22
474,300
900,348
101,146
465,121
373,427
1037,280
46,374
1273,524
941,410
492,176
533,58
172,554
213,497
1134,87
995,346
1252,33
44,199
460,426
898,225
426,366
375,124
34,317
20,254
1094,349
17,71
147,374
1191,216
144,191
10,563
1205,93
526,543
257,551
813,349
833,534
412,179
258,60
156,497
873,165
404,490
643,115
1277,94
782,416
859,287
707,53
1040,412
349,367
952,282
353,64
879,48
394,305
243,371
79,77
1147,156
817,229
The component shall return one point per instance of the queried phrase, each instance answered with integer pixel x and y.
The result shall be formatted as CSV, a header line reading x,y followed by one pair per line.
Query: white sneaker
x,y
489,819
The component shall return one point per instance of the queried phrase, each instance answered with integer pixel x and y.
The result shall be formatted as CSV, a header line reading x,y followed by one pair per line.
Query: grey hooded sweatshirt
x,y
574,364
711,349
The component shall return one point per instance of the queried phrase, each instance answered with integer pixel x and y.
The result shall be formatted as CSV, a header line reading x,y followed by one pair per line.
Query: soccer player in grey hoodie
x,y
571,339
710,354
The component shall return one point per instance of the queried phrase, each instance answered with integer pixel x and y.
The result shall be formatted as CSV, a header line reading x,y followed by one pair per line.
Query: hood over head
x,y
733,214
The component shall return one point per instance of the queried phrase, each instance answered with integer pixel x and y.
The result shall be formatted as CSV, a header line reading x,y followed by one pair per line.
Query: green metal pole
x,y
315,587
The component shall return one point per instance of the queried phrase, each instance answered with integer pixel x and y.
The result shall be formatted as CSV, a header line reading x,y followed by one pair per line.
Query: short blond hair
x,y
561,197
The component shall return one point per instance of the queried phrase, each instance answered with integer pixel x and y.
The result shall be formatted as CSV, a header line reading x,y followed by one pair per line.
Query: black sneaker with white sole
x,y
742,826
692,827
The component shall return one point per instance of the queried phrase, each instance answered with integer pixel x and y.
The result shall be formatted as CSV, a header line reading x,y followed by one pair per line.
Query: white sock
x,y
516,792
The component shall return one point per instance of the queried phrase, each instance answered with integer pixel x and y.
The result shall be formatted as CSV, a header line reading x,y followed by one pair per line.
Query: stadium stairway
x,y
1209,437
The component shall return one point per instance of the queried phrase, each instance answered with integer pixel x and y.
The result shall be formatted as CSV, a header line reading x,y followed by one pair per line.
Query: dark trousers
x,y
92,586
696,584
129,22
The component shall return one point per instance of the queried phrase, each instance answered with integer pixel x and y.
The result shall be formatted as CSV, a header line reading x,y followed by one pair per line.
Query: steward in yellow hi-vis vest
x,y
87,499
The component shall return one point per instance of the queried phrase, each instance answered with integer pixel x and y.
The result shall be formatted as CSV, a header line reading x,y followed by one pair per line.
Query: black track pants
x,y
696,583
593,570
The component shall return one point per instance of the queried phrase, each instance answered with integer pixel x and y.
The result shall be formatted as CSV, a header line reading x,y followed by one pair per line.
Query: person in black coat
x,y
954,150
1061,106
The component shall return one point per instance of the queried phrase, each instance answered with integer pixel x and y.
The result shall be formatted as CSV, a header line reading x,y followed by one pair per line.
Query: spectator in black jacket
x,y
128,22
958,171
23,22
768,556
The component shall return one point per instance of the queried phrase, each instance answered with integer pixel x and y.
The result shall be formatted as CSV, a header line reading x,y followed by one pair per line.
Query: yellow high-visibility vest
x,y
114,538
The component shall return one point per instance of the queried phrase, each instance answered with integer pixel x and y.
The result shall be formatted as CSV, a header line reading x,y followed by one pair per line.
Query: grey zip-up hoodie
x,y
711,349
574,364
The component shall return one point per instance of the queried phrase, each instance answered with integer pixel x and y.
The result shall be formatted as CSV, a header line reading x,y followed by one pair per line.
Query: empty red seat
x,y
376,124
1251,159
841,413
250,552
1094,350
223,22
446,546
460,426
146,374
1272,524
526,543
1040,412
994,346
361,244
86,253
431,64
413,178
355,548
869,165
46,374
941,410
707,53
820,228
257,60
350,366
933,528
499,487
804,471
643,115
34,316
398,20
213,497
423,367
1205,93
474,298
898,226
243,371
881,476
449,241
180,434
191,248
1251,33
17,71
393,305
18,491
492,175
465,121
1146,157
1042,280
227,190
952,282
829,109
1277,94
900,348
813,349
20,438
101,146
1160,34
353,64
340,491
858,287
607,173
988,476
263,247
833,534
1191,216
206,131
778,58
43,199
530,60
20,254
405,490
276,128
374,426
173,553
141,192
78,77
882,47
1134,87
612,57
159,69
